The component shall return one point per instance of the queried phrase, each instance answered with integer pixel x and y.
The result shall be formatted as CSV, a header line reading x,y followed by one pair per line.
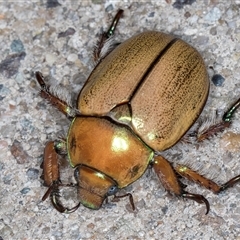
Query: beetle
x,y
141,98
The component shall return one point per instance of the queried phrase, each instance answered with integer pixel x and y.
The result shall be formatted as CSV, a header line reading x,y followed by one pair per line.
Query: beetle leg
x,y
50,165
126,195
207,183
171,183
54,196
51,176
97,52
113,26
227,117
219,127
61,105
198,198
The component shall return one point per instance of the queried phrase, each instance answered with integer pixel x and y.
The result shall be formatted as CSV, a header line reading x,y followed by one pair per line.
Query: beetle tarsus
x,y
230,183
227,117
40,80
218,127
58,205
198,198
53,191
113,26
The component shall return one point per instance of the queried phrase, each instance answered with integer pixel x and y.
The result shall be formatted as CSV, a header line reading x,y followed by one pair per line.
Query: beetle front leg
x,y
168,178
61,105
51,176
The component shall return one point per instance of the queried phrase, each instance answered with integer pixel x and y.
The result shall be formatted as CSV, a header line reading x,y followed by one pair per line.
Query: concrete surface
x,y
30,41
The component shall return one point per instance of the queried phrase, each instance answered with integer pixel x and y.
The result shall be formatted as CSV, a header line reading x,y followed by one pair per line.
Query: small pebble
x,y
213,15
151,14
164,209
72,57
10,65
53,3
32,173
4,90
25,190
109,8
70,31
180,3
213,31
19,78
218,80
17,46
51,58
7,179
17,151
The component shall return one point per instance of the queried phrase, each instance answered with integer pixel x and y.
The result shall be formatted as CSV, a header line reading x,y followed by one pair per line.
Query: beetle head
x,y
94,186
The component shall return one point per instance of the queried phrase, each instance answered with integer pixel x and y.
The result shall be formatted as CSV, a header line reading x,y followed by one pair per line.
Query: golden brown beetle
x,y
139,100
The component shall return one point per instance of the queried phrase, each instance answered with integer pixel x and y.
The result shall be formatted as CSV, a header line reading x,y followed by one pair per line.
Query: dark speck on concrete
x,y
109,8
32,173
218,80
9,66
53,3
25,190
151,14
68,32
17,46
164,209
17,151
180,3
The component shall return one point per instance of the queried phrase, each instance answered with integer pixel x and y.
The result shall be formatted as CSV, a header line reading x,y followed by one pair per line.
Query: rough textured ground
x,y
33,38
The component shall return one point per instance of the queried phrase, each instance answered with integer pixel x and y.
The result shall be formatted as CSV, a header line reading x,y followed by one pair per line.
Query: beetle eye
x,y
112,190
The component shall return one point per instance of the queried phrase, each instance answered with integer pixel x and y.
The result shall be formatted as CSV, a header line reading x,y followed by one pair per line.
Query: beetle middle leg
x,y
171,183
51,176
61,105
97,52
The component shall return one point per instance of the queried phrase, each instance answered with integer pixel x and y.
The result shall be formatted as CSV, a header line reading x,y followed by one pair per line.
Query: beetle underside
x,y
93,184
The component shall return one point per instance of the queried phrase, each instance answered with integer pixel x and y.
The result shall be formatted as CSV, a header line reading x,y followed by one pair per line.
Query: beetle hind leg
x,y
213,129
209,184
203,181
168,177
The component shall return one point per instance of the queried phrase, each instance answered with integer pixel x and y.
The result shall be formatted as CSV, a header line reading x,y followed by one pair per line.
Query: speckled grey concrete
x,y
30,41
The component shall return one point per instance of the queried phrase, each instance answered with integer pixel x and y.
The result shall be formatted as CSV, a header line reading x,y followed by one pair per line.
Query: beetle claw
x,y
198,198
53,191
58,205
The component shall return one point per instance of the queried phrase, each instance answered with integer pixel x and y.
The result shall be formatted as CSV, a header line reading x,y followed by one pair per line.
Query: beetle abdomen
x,y
163,78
